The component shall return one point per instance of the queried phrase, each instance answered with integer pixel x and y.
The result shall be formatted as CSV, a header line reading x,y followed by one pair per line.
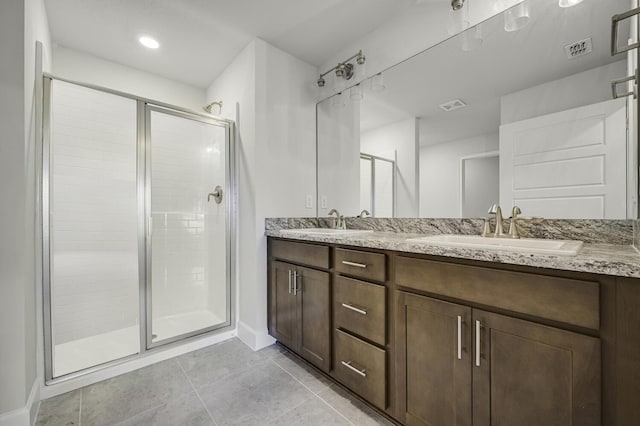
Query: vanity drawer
x,y
565,300
361,367
305,254
360,307
361,264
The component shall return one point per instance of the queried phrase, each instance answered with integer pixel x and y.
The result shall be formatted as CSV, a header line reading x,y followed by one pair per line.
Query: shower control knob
x,y
216,194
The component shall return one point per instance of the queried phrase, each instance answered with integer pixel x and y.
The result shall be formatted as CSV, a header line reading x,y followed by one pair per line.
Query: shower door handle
x,y
216,194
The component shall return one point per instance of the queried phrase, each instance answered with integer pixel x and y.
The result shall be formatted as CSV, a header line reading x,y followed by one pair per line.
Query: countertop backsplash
x,y
592,231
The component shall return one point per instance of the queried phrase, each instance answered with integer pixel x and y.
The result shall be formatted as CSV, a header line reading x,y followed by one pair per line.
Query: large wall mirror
x,y
515,112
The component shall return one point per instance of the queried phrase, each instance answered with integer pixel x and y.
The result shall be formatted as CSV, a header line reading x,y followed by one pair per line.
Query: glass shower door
x,y
187,231
90,229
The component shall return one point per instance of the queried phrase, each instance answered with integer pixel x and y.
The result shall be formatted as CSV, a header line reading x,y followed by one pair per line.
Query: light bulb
x,y
377,83
517,17
472,38
149,42
568,3
355,93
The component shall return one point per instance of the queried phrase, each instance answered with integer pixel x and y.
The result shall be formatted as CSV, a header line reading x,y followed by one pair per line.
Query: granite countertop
x,y
605,259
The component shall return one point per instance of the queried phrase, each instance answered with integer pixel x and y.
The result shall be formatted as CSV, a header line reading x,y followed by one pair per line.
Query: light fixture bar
x,y
344,69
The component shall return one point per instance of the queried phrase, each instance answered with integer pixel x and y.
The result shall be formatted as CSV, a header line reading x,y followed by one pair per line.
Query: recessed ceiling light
x,y
149,42
568,3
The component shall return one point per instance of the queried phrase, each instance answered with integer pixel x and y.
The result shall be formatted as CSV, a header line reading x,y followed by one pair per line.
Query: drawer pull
x,y
478,330
295,283
353,308
355,370
459,337
289,281
357,265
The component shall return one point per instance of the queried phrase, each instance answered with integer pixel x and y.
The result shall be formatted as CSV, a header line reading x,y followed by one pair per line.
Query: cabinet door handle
x,y
295,283
362,372
478,343
459,337
353,308
289,281
357,265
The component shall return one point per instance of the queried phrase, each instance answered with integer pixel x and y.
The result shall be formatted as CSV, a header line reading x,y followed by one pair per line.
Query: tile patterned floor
x,y
224,384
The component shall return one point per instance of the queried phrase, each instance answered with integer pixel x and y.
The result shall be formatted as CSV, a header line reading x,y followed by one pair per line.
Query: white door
x,y
570,164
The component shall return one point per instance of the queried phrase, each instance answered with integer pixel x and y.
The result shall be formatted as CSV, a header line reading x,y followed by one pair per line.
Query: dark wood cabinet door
x,y
531,375
282,311
433,361
312,289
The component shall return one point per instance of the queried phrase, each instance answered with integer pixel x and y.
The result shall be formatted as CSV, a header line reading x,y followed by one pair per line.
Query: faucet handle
x,y
513,227
493,209
486,230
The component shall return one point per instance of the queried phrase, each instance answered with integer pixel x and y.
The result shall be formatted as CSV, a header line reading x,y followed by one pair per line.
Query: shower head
x,y
207,108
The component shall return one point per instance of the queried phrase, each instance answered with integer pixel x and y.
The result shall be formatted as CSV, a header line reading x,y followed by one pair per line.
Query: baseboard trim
x,y
25,416
255,340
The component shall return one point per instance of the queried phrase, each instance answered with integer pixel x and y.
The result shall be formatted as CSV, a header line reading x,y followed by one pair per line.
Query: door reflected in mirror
x,y
491,116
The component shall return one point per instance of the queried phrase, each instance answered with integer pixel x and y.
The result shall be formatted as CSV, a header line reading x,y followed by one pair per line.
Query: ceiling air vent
x,y
579,48
451,105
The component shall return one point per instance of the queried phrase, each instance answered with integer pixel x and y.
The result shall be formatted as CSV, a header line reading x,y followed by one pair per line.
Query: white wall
x,y
585,88
404,139
268,93
411,31
440,173
14,259
21,24
85,68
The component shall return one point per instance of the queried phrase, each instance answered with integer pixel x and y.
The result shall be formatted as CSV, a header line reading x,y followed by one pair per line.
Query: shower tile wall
x,y
188,236
93,216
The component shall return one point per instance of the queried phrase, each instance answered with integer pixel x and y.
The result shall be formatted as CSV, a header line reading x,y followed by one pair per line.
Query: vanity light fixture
x,y
568,3
149,42
344,70
457,4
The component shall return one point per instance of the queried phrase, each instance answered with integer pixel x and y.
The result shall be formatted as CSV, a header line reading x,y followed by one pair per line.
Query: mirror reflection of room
x,y
448,133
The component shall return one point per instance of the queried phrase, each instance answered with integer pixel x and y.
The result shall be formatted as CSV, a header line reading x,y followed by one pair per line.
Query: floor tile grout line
x,y
314,393
291,409
196,392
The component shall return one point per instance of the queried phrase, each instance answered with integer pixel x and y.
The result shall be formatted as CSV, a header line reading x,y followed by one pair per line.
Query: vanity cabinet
x,y
529,374
300,303
433,361
461,366
435,341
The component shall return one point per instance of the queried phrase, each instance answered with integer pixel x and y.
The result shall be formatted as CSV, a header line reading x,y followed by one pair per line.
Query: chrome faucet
x,y
338,222
513,227
364,213
495,209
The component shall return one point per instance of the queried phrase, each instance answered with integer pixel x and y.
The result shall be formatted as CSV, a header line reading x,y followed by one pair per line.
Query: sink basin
x,y
524,245
326,231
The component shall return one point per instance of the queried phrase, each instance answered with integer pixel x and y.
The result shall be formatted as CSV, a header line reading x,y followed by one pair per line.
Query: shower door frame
x,y
148,234
144,260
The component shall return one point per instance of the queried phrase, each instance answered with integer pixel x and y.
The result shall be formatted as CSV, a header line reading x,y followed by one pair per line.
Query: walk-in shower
x,y
136,251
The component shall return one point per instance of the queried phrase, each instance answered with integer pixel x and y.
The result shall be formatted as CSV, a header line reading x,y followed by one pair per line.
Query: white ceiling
x,y
199,38
503,64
